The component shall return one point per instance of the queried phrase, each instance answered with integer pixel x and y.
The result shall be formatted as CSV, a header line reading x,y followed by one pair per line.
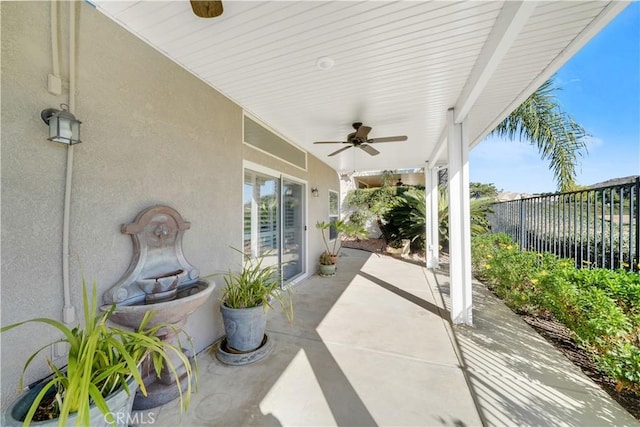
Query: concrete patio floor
x,y
373,346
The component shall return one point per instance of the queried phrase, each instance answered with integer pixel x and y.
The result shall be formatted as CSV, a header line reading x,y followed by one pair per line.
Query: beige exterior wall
x,y
153,134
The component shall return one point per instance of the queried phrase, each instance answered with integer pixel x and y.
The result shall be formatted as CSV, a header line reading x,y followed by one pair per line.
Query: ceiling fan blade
x,y
330,142
388,139
207,9
340,150
369,149
362,132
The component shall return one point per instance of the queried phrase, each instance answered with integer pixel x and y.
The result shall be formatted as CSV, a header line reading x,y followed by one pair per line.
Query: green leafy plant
x,y
406,219
600,307
373,203
257,284
101,360
344,230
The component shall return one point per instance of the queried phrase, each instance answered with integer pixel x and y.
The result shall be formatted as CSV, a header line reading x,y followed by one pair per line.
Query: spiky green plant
x,y
407,219
101,360
257,284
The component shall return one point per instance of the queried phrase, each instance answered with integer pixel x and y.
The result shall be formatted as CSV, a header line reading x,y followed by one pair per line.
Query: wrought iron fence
x,y
599,227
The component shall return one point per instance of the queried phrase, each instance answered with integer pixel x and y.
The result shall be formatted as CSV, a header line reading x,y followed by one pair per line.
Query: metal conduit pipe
x,y
55,50
68,311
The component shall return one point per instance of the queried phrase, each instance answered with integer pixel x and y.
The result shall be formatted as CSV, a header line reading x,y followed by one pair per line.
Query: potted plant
x,y
332,250
327,264
399,247
343,230
245,299
98,385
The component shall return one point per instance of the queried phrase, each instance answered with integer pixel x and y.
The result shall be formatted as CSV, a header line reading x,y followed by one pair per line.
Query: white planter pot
x,y
119,404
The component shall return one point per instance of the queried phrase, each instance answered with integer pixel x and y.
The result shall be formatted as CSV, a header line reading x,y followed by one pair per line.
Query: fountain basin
x,y
188,299
159,280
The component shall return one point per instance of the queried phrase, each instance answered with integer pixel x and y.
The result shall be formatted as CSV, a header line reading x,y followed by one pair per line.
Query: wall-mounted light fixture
x,y
63,126
315,192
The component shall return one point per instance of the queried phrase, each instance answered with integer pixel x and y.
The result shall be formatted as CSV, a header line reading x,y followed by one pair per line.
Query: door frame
x,y
256,167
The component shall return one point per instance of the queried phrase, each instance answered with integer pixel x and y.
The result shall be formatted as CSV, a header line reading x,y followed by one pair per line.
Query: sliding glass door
x,y
292,229
274,209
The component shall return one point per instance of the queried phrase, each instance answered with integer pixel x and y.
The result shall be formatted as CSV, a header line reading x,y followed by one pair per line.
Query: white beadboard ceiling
x,y
399,66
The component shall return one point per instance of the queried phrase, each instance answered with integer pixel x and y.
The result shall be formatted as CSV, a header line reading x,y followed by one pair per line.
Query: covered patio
x,y
375,346
440,74
204,115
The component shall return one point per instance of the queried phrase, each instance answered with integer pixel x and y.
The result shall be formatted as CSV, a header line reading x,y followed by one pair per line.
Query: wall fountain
x,y
159,279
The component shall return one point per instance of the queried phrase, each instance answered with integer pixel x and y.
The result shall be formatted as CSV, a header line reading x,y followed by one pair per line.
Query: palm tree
x,y
540,121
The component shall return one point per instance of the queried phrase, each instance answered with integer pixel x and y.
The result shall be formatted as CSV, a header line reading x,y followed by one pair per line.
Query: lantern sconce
x,y
63,126
315,192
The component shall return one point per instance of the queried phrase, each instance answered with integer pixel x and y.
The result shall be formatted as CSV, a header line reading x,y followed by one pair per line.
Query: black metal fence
x,y
598,227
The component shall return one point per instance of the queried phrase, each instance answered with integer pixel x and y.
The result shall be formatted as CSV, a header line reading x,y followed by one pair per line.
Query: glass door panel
x,y
274,222
261,216
292,229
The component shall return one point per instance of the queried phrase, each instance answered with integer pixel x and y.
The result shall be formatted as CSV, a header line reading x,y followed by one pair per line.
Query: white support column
x,y
459,222
432,240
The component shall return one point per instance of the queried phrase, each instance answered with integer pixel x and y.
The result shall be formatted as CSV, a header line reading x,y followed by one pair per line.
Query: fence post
x,y
636,265
523,217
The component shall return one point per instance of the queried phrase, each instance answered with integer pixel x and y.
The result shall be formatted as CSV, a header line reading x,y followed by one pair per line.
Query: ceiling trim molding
x,y
438,150
599,22
512,19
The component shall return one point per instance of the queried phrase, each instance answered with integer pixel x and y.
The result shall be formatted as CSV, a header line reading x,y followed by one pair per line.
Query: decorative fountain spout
x,y
158,279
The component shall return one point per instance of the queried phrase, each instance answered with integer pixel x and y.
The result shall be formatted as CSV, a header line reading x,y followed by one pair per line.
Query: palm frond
x,y
540,121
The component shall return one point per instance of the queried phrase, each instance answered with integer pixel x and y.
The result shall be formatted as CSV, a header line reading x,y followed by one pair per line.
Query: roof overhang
x,y
398,66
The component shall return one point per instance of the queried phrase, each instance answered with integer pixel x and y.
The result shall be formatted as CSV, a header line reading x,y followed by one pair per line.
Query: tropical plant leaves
x,y
540,121
101,360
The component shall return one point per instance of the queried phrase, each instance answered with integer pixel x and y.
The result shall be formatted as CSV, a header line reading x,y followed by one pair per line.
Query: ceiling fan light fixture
x,y
325,63
207,9
360,139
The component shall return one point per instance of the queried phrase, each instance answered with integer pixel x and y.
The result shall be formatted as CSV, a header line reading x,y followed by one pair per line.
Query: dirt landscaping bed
x,y
560,337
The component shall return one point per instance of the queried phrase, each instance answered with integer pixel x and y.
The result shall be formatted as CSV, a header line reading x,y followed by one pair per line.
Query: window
x,y
268,142
334,213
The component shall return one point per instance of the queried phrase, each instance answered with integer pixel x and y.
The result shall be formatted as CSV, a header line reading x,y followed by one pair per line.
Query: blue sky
x,y
601,90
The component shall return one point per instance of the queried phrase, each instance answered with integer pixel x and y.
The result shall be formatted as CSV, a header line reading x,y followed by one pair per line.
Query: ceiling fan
x,y
359,139
207,9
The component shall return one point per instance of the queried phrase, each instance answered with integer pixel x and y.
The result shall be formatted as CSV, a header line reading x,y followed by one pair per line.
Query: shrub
x,y
406,218
619,285
622,362
601,307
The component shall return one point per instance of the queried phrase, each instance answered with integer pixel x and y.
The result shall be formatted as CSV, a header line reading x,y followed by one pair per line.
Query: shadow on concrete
x,y
518,377
323,372
408,296
244,395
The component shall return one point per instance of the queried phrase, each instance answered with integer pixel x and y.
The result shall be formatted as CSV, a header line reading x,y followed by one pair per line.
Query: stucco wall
x,y
153,134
